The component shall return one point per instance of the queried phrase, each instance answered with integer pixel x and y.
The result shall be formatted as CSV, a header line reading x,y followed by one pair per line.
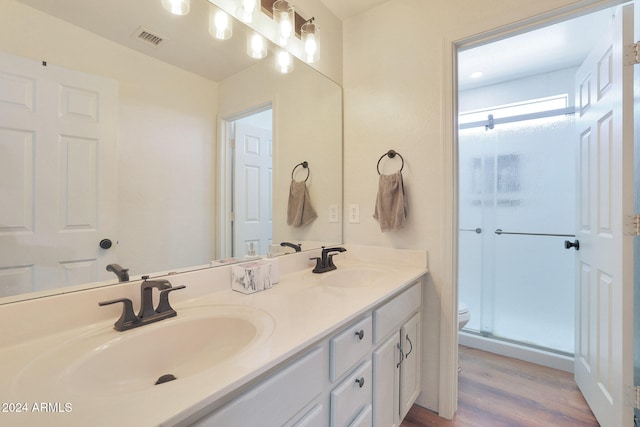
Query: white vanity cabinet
x,y
367,373
396,361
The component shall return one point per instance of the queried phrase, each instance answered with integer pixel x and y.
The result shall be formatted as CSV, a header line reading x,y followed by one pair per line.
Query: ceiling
x,y
186,39
555,47
344,9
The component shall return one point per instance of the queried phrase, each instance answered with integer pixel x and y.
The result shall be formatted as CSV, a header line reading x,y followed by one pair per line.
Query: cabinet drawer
x,y
390,316
351,396
277,399
350,346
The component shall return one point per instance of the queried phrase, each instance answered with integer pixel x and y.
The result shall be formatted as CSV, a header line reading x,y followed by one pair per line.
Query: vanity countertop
x,y
300,311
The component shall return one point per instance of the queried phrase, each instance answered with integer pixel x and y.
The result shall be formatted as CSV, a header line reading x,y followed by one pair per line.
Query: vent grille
x,y
148,36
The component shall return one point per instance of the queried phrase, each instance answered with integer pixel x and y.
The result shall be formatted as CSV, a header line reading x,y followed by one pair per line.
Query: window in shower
x,y
516,208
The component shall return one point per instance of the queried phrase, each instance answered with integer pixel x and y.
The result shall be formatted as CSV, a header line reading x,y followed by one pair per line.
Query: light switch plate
x,y
354,213
333,213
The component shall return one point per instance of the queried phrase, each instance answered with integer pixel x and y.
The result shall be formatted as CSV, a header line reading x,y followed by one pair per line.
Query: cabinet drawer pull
x,y
360,334
360,381
410,349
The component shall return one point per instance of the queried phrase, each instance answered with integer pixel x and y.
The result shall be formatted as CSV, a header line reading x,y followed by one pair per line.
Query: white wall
x,y
166,212
397,90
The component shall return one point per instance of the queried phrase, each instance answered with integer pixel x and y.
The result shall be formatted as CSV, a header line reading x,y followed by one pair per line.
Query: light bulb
x,y
246,10
220,25
284,62
256,46
284,16
310,41
177,7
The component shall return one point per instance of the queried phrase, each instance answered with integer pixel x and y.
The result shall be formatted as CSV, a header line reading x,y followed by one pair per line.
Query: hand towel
x,y
391,205
299,211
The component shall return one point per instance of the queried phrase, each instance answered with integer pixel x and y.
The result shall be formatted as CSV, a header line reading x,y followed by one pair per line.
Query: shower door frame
x,y
452,43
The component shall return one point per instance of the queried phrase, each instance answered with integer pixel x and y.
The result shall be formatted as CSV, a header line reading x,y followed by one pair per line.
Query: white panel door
x,y
252,190
58,177
604,267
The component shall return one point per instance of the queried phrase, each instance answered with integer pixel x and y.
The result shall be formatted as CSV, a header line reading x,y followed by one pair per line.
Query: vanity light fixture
x,y
246,10
284,16
309,33
256,45
284,62
220,25
177,7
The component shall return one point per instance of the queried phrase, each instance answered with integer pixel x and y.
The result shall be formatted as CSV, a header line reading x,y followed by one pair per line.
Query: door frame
x,y
452,43
224,229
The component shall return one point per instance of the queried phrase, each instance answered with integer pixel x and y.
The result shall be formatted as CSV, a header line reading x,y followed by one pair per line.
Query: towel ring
x,y
305,165
391,154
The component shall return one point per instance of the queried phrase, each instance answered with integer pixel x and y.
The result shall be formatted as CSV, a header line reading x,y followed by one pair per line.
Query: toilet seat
x,y
463,314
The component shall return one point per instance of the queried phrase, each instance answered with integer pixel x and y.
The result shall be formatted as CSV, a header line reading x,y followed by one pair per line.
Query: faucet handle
x,y
163,305
128,318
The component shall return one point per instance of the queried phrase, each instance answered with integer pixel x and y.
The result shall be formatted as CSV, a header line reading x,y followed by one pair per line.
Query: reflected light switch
x,y
333,213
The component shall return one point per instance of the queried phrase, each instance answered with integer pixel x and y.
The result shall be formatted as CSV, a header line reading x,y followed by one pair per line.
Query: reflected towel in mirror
x,y
391,204
299,211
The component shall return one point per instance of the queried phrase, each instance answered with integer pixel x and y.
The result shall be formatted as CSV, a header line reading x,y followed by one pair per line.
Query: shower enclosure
x,y
516,209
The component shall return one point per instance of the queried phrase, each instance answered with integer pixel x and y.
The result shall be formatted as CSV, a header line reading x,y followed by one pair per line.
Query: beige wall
x,y
167,125
395,96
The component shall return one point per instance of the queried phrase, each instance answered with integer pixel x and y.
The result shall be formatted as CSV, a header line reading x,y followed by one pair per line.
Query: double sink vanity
x,y
338,348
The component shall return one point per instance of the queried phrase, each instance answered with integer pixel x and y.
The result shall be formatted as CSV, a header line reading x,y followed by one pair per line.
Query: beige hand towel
x,y
391,205
299,211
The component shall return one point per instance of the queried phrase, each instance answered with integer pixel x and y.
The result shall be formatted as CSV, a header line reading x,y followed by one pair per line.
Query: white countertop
x,y
301,311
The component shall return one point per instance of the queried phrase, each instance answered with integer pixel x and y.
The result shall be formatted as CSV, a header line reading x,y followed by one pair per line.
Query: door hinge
x,y
232,216
632,225
632,396
232,142
632,54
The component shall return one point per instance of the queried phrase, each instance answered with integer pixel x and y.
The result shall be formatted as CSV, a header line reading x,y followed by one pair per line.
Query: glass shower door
x,y
516,276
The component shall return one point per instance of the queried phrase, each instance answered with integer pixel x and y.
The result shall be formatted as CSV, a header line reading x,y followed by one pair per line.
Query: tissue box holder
x,y
251,277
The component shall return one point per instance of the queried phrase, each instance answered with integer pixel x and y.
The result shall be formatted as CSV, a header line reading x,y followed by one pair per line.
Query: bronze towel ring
x,y
391,154
305,165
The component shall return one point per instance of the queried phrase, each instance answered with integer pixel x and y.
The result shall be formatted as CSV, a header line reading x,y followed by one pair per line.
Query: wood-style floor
x,y
497,391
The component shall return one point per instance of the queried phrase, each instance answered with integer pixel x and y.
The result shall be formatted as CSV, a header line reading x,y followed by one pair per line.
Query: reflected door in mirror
x,y
58,141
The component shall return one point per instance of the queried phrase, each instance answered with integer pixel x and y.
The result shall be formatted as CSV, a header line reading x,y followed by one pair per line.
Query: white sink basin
x,y
107,362
352,276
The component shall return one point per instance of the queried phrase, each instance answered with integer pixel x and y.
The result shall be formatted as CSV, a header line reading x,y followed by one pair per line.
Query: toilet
x,y
463,319
463,315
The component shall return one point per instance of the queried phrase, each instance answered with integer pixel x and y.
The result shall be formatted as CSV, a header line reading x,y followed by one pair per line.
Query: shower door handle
x,y
568,245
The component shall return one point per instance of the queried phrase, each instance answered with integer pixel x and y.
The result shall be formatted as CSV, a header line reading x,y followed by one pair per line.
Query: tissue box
x,y
251,277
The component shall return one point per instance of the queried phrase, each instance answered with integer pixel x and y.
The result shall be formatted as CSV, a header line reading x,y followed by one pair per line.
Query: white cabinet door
x,y
410,371
386,383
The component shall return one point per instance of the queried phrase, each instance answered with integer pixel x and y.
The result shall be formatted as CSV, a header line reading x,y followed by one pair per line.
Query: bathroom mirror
x,y
176,105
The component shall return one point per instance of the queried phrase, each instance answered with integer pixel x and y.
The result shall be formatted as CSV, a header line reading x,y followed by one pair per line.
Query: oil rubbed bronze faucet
x,y
147,314
325,263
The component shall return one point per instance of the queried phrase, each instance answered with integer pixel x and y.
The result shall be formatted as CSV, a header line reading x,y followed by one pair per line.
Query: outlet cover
x,y
354,213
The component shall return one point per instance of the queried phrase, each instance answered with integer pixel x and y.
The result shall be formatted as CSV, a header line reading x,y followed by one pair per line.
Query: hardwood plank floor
x,y
497,391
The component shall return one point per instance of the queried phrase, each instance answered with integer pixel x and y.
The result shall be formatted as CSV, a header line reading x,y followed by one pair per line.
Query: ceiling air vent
x,y
147,36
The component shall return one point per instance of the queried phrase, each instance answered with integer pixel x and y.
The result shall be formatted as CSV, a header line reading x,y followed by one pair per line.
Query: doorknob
x,y
568,245
105,243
